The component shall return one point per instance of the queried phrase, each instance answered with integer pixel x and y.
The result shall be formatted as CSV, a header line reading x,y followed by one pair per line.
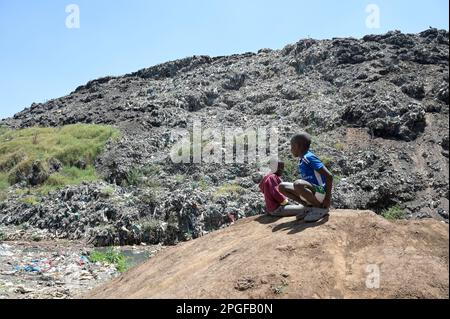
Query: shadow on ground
x,y
291,226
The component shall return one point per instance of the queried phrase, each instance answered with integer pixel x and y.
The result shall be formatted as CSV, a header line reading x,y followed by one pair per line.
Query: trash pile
x,y
56,270
362,99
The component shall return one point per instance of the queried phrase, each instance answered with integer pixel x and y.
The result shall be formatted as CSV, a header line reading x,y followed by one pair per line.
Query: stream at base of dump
x,y
59,269
134,255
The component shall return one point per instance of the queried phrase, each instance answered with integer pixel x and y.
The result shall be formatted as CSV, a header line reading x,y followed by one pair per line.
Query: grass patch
x,y
153,230
339,146
107,191
110,256
3,129
75,147
3,181
328,161
144,176
229,189
179,178
24,226
31,200
3,196
36,238
290,173
201,184
3,186
150,224
149,198
68,176
394,213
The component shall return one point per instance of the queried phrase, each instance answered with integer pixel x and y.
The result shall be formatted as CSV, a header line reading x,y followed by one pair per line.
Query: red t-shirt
x,y
272,196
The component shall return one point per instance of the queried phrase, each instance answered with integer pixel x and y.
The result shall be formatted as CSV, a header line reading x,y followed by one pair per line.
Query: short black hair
x,y
302,137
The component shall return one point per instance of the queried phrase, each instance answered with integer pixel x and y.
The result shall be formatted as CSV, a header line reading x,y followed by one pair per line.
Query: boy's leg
x,y
306,191
288,190
300,191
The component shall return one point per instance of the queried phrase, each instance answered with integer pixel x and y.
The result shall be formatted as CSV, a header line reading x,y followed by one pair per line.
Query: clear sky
x,y
41,58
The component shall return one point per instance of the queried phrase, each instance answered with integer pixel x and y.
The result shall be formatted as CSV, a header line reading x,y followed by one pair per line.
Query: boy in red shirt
x,y
276,203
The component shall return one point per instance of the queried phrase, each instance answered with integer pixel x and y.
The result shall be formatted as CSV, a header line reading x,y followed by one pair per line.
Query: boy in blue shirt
x,y
316,183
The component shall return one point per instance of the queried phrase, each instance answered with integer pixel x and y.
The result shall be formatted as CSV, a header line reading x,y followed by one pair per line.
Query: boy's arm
x,y
329,186
275,193
318,166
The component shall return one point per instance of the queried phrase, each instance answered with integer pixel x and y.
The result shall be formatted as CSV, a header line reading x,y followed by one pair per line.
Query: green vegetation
x,y
2,236
24,226
3,129
154,229
339,146
148,198
179,178
3,196
336,179
72,176
202,184
36,238
149,225
290,170
229,189
3,181
73,147
110,256
31,200
144,176
394,213
3,186
328,161
107,191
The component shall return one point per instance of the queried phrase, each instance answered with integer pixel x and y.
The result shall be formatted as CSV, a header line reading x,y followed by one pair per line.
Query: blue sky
x,y
41,59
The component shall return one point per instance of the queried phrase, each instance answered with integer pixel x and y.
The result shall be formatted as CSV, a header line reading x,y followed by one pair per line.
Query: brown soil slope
x,y
265,257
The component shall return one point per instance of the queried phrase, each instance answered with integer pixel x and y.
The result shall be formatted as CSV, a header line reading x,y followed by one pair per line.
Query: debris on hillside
x,y
377,108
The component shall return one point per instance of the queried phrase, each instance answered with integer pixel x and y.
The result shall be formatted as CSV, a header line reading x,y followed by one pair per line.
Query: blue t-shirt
x,y
308,168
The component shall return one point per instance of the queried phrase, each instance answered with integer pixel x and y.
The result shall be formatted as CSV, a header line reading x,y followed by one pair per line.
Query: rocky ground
x,y
378,108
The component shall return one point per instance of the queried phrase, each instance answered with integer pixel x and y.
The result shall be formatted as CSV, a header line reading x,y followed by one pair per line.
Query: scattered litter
x,y
28,268
58,270
5,250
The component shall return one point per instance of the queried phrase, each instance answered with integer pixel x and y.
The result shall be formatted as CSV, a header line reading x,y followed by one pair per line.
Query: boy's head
x,y
280,168
276,167
300,144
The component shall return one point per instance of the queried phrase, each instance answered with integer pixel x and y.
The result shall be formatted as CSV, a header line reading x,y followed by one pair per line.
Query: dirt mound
x,y
348,255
